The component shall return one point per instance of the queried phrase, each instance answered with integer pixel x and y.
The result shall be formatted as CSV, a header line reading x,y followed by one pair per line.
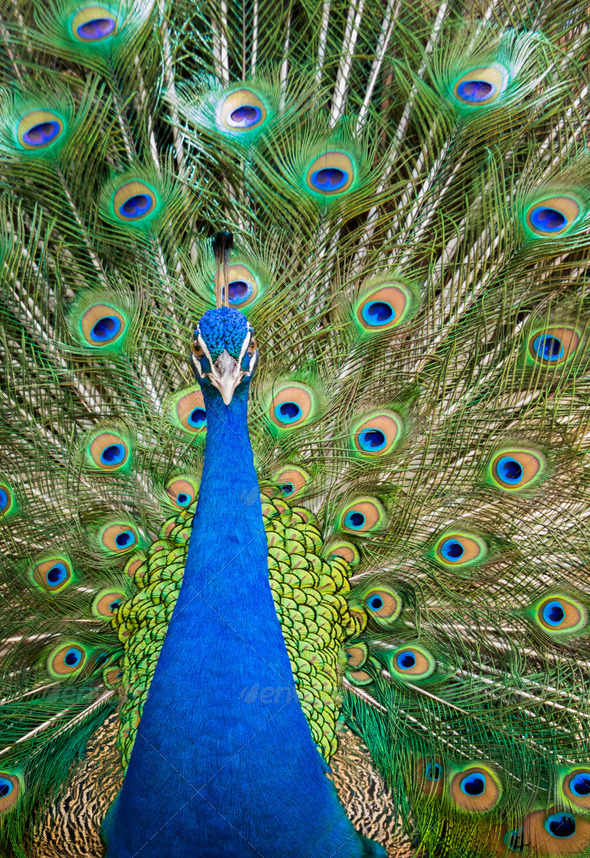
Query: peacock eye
x,y
198,349
252,347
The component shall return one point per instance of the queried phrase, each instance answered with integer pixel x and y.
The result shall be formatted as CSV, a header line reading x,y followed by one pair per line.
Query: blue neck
x,y
224,764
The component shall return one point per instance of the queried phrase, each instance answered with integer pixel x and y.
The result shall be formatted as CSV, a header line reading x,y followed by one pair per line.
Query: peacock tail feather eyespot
x,y
410,663
112,677
460,549
561,825
427,774
331,174
52,574
514,469
552,216
513,839
11,789
8,503
346,550
106,603
575,785
243,285
119,537
39,129
377,434
182,491
292,481
385,307
433,771
555,832
475,788
135,201
189,412
382,604
67,660
361,676
554,345
480,86
362,516
242,110
558,614
101,325
94,24
292,405
109,451
356,655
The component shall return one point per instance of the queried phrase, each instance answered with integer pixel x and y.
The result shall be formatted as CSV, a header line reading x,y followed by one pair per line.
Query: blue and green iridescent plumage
x,y
378,541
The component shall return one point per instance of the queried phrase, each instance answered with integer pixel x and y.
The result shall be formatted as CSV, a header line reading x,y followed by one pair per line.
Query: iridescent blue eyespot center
x,y
548,348
73,657
372,440
238,290
473,784
97,29
509,470
136,206
287,489
114,606
329,179
42,134
561,825
288,412
476,91
354,520
57,574
405,660
553,613
183,499
375,603
113,454
452,550
197,418
223,329
105,329
245,116
580,784
547,219
378,313
433,772
3,499
514,840
127,537
6,787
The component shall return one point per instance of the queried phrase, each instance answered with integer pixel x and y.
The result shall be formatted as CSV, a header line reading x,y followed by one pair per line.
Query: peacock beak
x,y
225,375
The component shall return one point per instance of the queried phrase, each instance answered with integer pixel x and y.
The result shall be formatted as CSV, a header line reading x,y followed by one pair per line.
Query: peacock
x,y
295,371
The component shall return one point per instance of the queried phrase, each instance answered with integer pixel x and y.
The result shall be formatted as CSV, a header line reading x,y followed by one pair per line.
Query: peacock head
x,y
224,352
